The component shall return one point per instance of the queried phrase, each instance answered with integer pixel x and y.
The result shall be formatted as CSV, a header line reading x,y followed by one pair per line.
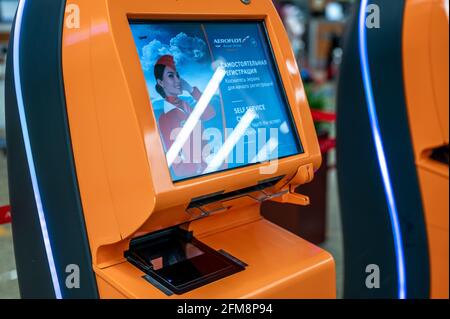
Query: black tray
x,y
179,262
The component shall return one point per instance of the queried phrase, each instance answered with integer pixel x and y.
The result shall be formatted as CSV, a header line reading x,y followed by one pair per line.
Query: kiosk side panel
x,y
44,129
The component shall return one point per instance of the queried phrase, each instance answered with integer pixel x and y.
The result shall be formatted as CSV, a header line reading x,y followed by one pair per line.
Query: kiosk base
x,y
280,265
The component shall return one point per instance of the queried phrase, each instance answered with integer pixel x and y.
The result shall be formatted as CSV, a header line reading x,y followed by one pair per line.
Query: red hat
x,y
167,60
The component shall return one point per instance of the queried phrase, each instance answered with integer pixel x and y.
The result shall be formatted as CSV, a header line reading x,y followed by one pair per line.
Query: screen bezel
x,y
114,35
278,79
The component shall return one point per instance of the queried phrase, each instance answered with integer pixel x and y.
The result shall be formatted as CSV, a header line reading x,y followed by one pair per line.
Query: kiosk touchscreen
x,y
246,121
171,123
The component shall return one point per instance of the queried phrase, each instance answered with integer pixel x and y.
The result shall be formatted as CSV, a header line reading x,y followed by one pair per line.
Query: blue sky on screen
x,y
185,42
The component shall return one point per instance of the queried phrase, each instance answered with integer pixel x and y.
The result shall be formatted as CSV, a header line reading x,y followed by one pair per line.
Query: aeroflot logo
x,y
234,42
229,41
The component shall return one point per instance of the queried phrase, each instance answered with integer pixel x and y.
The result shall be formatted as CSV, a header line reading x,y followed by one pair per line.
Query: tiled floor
x,y
334,239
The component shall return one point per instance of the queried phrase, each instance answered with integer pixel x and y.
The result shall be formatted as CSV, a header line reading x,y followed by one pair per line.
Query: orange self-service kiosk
x,y
174,121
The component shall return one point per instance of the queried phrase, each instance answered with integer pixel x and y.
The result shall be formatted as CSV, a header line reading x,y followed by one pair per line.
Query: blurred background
x,y
8,276
315,29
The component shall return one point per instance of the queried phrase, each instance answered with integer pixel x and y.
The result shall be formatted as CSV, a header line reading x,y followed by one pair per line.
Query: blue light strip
x,y
26,140
380,151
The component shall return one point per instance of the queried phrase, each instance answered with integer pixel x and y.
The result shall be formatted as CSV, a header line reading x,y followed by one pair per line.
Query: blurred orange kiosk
x,y
106,198
392,130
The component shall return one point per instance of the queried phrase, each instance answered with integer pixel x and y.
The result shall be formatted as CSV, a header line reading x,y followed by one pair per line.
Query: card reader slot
x,y
212,204
221,196
441,154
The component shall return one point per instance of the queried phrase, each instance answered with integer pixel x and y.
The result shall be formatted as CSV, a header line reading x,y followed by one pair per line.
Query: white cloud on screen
x,y
182,47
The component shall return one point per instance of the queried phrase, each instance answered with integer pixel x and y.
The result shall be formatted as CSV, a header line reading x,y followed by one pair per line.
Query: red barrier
x,y
320,116
327,145
5,215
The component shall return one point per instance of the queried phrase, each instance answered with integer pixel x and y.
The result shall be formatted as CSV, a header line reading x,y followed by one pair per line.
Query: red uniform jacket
x,y
175,119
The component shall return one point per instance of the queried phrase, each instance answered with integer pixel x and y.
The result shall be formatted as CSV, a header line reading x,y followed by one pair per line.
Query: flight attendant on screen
x,y
177,110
